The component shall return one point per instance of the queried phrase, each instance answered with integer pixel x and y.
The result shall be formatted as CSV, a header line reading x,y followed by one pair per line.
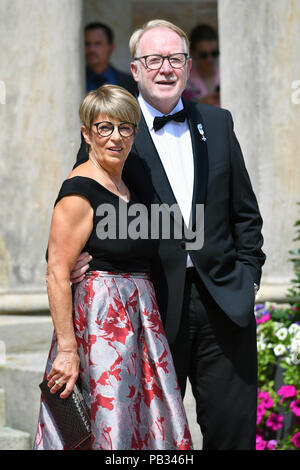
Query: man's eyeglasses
x,y
106,128
155,61
204,55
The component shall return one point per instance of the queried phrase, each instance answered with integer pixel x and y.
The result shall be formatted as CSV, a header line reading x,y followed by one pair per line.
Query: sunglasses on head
x,y
204,55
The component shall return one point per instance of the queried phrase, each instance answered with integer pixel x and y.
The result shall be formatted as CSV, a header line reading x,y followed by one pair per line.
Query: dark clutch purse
x,y
71,416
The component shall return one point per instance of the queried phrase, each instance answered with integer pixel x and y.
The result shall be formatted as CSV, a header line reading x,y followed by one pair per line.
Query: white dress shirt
x,y
174,147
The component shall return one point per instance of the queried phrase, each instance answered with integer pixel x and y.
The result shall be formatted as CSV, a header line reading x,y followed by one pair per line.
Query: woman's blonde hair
x,y
137,34
109,101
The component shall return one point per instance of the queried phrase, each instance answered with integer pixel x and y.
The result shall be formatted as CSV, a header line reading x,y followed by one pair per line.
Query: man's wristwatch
x,y
256,287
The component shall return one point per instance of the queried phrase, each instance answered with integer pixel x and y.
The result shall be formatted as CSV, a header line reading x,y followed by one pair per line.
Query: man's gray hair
x,y
137,34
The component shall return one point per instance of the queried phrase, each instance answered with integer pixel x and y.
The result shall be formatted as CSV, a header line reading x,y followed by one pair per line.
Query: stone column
x,y
42,83
260,68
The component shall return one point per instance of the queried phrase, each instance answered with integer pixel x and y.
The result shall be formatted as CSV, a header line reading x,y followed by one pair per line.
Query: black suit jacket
x,y
122,79
126,81
231,258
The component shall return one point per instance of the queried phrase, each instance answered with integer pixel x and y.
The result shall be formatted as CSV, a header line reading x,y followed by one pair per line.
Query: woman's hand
x,y
65,369
80,268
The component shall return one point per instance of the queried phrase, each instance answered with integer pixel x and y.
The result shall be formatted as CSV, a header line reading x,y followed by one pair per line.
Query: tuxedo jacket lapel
x,y
147,151
200,158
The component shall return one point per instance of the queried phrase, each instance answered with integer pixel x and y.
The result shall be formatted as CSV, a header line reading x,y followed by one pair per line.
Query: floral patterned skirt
x,y
126,369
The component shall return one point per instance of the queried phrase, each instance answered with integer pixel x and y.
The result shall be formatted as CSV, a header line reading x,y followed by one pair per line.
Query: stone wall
x,y
42,68
260,60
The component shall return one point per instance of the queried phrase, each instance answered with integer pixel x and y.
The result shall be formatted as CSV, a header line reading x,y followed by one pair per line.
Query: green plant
x,y
278,411
278,344
294,291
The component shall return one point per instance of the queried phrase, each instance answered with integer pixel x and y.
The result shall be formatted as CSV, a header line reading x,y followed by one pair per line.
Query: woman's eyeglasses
x,y
106,128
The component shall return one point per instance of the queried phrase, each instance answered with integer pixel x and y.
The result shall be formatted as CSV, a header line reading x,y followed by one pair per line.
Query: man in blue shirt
x,y
99,45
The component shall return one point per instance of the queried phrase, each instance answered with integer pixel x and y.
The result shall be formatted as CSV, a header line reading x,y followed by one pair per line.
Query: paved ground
x,y
190,408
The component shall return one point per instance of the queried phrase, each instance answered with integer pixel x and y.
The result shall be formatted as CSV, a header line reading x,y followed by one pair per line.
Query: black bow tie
x,y
159,122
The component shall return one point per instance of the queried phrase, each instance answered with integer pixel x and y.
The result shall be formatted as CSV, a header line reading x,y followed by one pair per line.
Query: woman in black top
x,y
111,333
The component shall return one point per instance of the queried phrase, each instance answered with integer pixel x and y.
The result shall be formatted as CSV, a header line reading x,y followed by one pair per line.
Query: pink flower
x,y
287,391
266,400
261,410
271,444
260,413
296,439
295,407
258,419
260,443
263,319
275,421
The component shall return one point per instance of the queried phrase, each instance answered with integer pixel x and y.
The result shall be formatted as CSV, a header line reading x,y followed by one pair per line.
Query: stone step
x,y
11,439
24,333
20,378
2,408
26,340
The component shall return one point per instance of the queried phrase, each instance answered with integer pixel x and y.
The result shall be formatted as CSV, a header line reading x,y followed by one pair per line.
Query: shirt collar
x,y
150,113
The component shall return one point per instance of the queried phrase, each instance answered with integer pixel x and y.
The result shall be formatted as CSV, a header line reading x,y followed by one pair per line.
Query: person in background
x,y
203,84
99,45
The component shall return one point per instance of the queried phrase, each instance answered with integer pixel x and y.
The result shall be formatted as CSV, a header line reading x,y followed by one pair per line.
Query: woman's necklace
x,y
116,185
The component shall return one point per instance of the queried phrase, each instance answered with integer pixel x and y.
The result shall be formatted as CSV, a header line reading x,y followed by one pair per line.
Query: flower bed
x,y
278,409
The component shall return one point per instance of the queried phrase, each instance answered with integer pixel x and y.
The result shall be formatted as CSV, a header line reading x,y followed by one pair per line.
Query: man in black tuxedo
x,y
206,296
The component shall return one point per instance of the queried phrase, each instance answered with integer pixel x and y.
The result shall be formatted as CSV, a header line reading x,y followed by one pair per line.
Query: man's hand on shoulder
x,y
80,268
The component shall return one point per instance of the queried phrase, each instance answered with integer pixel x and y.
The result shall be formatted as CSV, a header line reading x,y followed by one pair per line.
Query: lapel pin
x,y
201,131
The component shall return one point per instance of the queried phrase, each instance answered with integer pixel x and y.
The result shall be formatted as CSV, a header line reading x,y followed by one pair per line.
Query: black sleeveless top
x,y
119,252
